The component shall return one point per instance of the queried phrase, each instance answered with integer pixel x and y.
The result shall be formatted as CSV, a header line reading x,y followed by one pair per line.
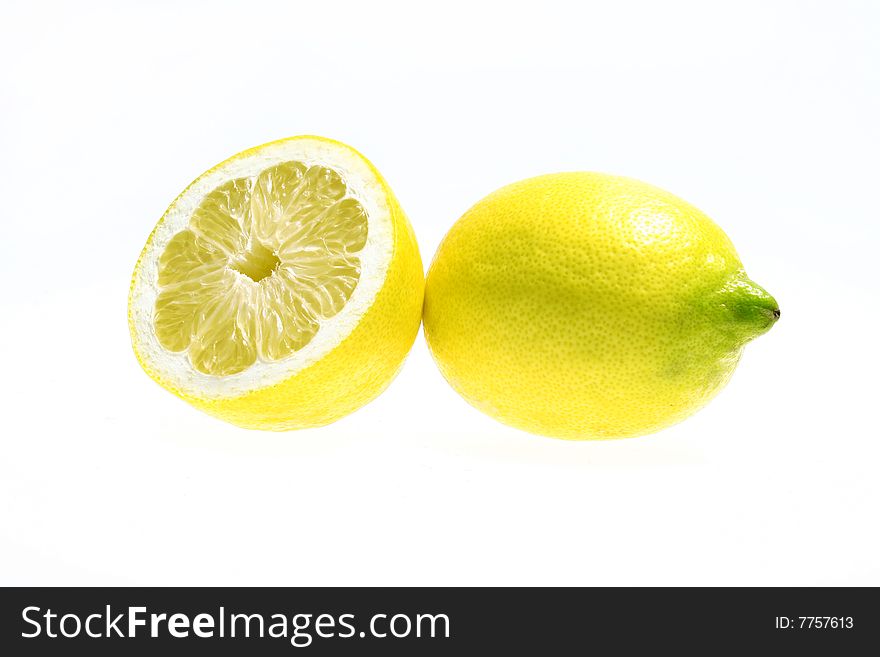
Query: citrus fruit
x,y
282,289
585,306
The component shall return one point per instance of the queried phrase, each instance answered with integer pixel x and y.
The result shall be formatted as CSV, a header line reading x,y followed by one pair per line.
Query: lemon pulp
x,y
262,262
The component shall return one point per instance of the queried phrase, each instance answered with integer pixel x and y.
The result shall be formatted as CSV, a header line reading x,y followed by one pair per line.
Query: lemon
x,y
282,289
587,306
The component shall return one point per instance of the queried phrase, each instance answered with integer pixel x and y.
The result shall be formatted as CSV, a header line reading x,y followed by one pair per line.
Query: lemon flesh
x,y
588,306
262,262
281,290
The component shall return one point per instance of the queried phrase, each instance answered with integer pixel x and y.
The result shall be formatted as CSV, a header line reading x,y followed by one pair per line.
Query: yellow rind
x,y
575,306
355,371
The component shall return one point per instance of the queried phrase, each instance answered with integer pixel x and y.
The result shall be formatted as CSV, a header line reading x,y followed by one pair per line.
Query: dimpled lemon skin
x,y
589,306
358,369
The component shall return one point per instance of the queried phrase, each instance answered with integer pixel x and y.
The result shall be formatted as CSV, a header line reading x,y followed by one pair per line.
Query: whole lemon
x,y
588,306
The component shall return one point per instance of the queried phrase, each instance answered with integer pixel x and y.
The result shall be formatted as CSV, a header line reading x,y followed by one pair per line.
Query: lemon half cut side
x,y
281,290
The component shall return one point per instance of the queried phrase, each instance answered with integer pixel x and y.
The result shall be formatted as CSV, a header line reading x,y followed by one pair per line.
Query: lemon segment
x,y
266,266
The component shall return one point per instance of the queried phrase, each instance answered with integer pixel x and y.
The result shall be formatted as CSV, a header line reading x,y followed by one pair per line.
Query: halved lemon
x,y
281,290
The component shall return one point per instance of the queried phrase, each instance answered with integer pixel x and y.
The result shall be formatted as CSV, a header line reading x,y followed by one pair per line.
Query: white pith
x,y
362,184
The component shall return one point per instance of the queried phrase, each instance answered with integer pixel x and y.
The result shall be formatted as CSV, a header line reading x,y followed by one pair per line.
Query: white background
x,y
765,115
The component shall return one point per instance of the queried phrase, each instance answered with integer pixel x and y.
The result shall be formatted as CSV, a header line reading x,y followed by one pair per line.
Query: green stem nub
x,y
750,310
